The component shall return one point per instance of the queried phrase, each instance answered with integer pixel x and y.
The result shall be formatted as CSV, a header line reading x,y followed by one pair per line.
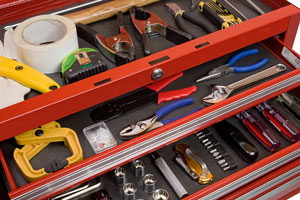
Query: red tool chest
x,y
273,174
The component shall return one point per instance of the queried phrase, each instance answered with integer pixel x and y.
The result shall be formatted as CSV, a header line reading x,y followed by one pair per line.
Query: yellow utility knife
x,y
195,163
26,75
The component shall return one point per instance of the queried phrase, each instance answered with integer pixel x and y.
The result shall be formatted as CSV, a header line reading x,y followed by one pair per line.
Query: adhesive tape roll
x,y
45,40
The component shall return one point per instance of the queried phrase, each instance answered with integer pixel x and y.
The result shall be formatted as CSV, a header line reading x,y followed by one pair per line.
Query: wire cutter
x,y
148,24
230,67
181,14
141,98
153,122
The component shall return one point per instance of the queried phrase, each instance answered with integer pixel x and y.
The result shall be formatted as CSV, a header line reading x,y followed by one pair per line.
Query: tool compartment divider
x,y
72,104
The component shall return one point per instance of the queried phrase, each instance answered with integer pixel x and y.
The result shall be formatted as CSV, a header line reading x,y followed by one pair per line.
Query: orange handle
x,y
105,10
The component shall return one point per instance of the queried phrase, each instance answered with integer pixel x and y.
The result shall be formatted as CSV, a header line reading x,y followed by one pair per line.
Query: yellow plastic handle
x,y
26,75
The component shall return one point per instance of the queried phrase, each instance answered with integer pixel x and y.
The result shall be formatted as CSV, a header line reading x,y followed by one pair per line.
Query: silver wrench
x,y
221,92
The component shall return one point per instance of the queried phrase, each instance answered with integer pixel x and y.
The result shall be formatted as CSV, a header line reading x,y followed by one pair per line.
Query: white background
x,y
296,47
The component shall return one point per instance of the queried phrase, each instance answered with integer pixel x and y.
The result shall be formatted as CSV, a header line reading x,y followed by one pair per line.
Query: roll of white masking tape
x,y
45,40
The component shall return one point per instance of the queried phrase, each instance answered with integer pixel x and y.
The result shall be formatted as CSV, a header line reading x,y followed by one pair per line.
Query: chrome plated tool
x,y
258,9
259,130
149,183
129,191
291,103
221,92
181,15
148,24
118,48
231,68
169,175
235,9
144,125
283,125
195,163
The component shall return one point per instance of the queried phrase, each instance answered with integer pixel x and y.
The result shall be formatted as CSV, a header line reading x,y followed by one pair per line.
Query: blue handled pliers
x,y
153,122
230,67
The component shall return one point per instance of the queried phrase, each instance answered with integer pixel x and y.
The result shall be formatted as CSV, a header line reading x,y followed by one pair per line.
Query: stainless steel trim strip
x,y
269,184
277,193
168,136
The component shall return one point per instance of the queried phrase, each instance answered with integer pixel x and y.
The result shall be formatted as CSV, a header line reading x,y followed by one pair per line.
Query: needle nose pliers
x,y
181,14
230,67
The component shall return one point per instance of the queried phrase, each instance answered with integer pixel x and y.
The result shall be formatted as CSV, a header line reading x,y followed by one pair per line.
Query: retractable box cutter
x,y
148,24
118,48
26,75
279,121
141,98
82,63
259,130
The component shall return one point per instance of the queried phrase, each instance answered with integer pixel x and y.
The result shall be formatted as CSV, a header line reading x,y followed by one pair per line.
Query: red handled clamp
x,y
148,24
279,121
118,49
141,98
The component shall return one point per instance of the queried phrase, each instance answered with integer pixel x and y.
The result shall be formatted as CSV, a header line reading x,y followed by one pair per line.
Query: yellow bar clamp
x,y
36,140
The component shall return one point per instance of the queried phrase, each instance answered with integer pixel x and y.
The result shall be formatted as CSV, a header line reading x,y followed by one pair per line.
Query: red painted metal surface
x,y
289,36
81,95
165,128
243,172
265,179
78,96
20,9
7,171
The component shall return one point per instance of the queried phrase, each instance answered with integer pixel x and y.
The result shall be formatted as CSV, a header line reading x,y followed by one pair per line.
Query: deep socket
x,y
129,191
120,176
149,183
160,194
139,168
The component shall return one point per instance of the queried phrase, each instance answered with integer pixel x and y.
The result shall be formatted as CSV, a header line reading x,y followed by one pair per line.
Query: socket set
x,y
129,189
216,150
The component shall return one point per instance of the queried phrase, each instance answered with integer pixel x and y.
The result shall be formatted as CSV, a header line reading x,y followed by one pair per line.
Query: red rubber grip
x,y
175,94
157,86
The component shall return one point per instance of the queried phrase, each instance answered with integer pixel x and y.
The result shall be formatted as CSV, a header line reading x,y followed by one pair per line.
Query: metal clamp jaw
x,y
148,24
36,140
118,49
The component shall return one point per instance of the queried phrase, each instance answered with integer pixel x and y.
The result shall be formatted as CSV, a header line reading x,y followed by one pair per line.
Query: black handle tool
x,y
181,14
148,24
237,141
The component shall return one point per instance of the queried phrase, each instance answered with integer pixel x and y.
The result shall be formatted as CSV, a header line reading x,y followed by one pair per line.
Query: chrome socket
x,y
120,176
149,183
129,191
139,168
160,194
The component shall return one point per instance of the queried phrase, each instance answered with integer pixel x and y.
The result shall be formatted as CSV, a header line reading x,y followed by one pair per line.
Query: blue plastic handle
x,y
252,67
173,106
241,55
239,69
167,121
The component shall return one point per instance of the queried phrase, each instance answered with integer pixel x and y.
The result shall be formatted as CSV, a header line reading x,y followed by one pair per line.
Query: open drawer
x,y
71,104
